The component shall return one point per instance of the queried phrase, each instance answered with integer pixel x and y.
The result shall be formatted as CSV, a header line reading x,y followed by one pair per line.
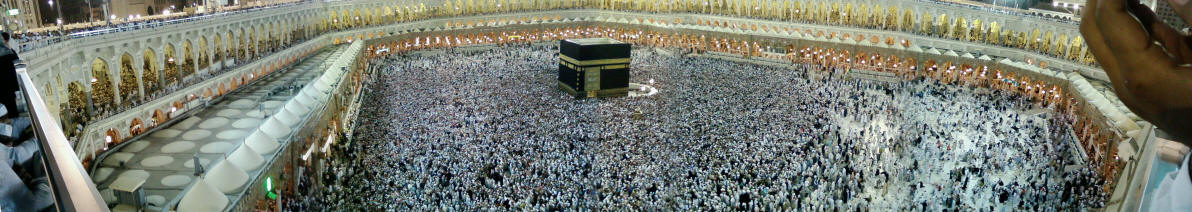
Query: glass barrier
x,y
41,171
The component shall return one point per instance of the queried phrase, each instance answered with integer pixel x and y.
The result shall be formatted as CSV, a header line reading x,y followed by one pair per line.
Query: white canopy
x,y
296,107
951,53
226,177
314,93
129,181
202,197
261,143
275,128
967,55
322,85
867,43
914,48
246,159
933,51
985,57
286,117
305,100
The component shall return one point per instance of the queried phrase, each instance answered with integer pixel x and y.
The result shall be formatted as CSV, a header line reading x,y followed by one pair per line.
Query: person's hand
x,y
1148,62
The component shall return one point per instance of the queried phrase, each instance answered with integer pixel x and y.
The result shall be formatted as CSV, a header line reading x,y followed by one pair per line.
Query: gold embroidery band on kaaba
x,y
588,68
593,62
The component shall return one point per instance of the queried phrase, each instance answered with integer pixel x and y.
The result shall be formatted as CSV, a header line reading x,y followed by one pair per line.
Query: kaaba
x,y
594,67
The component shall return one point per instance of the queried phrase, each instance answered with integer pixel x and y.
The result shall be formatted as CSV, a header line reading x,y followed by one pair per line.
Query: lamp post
x,y
61,26
4,18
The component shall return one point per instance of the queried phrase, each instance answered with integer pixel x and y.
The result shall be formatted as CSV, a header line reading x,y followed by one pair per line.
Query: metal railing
x,y
29,45
71,186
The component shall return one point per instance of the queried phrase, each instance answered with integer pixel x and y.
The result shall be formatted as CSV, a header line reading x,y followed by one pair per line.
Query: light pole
x,y
106,18
4,18
61,26
90,13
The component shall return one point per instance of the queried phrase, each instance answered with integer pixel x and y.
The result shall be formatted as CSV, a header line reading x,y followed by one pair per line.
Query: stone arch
x,y
344,20
150,81
188,59
366,17
259,39
378,16
170,72
230,47
136,127
111,137
246,45
331,21
76,101
129,87
356,20
217,49
102,95
221,89
204,56
271,35
159,117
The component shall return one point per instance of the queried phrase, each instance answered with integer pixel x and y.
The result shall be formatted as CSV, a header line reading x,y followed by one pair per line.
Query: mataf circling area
x,y
484,130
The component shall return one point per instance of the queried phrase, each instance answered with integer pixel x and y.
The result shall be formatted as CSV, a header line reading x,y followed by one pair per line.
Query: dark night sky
x,y
72,10
76,10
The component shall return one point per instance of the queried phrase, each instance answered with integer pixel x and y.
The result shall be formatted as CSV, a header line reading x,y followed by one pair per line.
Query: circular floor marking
x,y
177,180
246,123
231,135
135,173
229,113
156,200
254,114
187,124
196,134
272,104
213,123
243,103
190,164
166,133
156,161
136,146
178,146
102,174
217,147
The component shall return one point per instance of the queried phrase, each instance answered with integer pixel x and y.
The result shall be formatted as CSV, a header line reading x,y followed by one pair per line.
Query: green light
x,y
269,188
13,12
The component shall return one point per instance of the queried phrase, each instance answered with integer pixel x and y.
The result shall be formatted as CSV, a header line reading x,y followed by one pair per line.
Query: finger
x,y
1099,45
1182,8
1172,40
1122,31
1096,44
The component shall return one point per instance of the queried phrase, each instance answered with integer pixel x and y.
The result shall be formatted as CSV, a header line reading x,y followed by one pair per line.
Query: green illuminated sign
x,y
13,12
269,188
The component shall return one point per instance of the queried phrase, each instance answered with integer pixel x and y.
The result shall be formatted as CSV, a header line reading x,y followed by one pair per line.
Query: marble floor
x,y
165,156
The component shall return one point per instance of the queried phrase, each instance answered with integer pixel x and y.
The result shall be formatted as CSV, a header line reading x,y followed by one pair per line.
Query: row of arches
x,y
116,134
863,15
137,76
873,16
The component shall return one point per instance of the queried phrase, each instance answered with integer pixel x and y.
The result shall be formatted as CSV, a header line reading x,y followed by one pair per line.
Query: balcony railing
x,y
71,187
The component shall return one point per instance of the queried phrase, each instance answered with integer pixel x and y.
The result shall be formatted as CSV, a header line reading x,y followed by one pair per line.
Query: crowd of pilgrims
x,y
489,130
